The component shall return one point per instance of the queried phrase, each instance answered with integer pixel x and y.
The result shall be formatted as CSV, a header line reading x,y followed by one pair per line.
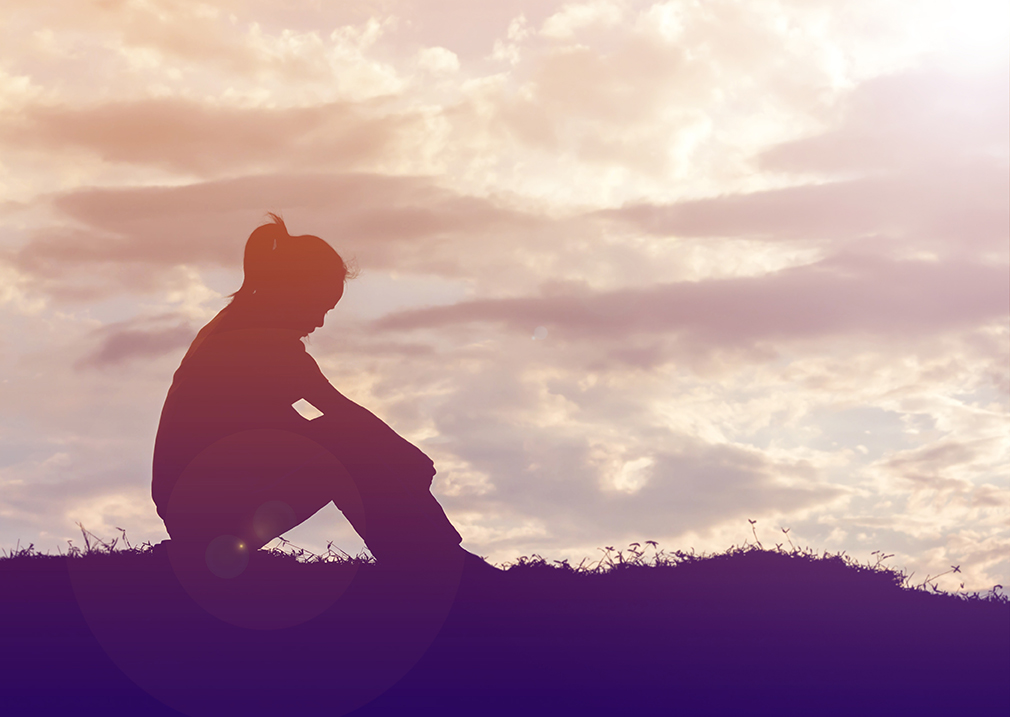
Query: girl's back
x,y
236,376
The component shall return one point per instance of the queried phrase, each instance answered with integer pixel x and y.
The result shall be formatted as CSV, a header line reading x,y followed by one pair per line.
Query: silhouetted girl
x,y
235,465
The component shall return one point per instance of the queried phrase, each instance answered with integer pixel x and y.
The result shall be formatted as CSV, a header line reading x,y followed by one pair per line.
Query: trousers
x,y
257,484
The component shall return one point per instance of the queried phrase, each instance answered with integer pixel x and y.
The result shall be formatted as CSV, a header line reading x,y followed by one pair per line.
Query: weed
x,y
635,556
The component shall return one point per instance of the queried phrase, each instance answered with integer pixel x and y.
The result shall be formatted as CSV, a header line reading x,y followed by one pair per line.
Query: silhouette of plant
x,y
613,560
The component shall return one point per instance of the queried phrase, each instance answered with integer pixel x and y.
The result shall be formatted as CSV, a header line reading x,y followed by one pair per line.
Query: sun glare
x,y
971,33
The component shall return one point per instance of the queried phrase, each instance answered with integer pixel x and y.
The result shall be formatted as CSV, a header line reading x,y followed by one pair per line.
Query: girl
x,y
235,465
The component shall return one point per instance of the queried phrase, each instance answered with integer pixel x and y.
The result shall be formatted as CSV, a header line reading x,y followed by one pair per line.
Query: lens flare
x,y
227,556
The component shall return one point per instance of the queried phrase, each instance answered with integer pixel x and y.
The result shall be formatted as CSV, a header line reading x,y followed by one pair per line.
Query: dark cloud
x,y
930,467
844,295
967,203
126,341
990,496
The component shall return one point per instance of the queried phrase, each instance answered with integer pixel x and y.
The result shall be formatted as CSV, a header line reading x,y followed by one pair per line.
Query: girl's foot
x,y
476,565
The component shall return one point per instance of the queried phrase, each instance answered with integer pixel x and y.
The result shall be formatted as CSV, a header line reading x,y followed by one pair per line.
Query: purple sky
x,y
629,271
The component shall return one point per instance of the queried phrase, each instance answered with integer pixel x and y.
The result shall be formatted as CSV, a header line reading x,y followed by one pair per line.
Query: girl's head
x,y
297,277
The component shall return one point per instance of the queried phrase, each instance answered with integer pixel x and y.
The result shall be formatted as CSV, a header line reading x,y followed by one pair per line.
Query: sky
x,y
629,271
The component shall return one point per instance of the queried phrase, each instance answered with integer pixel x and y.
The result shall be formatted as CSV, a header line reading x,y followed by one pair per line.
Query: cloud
x,y
133,238
202,139
689,488
843,295
959,210
910,121
924,467
438,60
126,341
549,452
619,108
663,92
911,162
183,43
576,16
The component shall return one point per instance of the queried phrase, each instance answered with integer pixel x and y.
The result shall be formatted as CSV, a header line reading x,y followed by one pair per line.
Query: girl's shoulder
x,y
226,338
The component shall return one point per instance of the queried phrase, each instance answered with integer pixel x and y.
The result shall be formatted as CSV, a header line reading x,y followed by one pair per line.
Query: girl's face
x,y
312,313
300,308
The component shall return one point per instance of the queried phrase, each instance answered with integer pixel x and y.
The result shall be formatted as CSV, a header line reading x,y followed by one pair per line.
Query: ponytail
x,y
260,258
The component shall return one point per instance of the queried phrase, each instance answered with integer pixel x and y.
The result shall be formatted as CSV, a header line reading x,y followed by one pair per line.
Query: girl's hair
x,y
276,260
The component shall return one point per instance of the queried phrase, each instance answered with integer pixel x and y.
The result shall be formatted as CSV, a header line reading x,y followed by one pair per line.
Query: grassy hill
x,y
748,631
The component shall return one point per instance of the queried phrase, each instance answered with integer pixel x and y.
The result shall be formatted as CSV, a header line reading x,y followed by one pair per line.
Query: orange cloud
x,y
132,236
200,139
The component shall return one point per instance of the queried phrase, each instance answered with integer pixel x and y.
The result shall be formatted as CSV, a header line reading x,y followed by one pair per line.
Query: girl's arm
x,y
376,437
326,398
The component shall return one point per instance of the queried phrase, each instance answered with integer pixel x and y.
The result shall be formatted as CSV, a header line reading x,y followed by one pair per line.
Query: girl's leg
x,y
403,519
255,486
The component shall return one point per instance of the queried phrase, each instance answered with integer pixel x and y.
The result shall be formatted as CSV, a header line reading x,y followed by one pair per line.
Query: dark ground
x,y
744,633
